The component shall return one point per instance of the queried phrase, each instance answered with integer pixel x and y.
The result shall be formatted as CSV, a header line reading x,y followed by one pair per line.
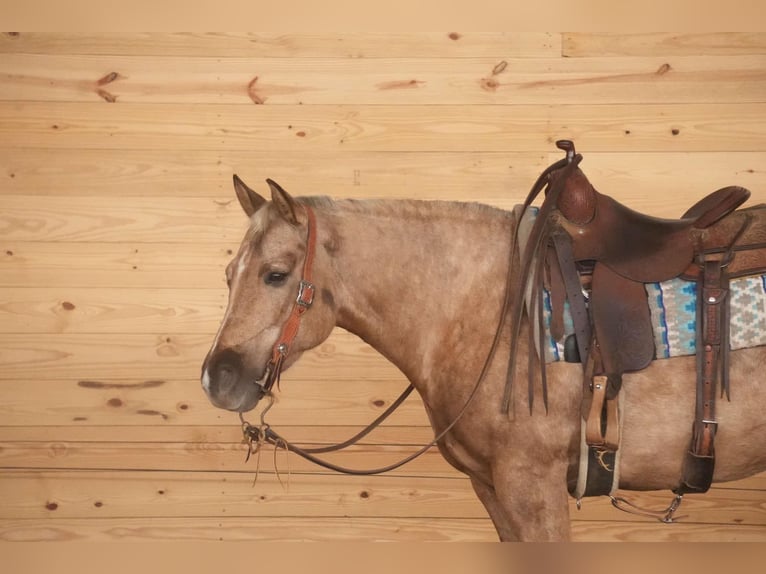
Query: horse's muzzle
x,y
228,383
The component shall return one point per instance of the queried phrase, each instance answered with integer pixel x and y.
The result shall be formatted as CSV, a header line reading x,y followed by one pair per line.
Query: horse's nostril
x,y
225,371
226,374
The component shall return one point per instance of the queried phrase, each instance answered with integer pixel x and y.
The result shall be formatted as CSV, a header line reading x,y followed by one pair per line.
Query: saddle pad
x,y
673,307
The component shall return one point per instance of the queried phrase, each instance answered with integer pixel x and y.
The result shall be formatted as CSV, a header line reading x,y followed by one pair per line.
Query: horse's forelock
x,y
258,223
261,219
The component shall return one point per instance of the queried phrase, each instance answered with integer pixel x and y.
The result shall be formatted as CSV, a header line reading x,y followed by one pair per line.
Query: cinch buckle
x,y
305,294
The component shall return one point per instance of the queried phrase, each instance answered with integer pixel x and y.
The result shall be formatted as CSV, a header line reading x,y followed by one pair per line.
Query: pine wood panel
x,y
263,529
148,399
190,173
82,494
265,45
520,128
645,178
328,529
99,219
616,531
88,310
160,355
76,265
227,432
228,457
152,79
580,44
44,310
136,494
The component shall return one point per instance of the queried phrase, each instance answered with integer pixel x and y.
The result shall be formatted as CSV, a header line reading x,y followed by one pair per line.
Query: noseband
x,y
302,304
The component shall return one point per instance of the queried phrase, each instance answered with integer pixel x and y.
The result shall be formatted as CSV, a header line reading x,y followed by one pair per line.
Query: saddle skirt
x,y
672,305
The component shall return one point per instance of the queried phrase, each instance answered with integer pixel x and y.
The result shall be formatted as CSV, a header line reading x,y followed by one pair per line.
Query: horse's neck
x,y
423,283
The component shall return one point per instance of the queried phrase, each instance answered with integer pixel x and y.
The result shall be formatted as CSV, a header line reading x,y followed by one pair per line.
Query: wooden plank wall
x,y
117,219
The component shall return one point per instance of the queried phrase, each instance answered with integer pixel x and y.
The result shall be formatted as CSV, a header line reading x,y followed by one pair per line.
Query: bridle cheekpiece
x,y
303,302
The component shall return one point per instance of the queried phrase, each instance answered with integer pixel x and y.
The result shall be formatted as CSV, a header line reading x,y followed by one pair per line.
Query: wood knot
x,y
108,79
254,96
489,84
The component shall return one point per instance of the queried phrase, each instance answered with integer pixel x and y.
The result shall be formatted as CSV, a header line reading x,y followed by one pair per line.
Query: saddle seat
x,y
628,249
636,246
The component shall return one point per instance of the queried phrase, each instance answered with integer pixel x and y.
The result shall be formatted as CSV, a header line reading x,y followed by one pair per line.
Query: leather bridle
x,y
302,303
255,435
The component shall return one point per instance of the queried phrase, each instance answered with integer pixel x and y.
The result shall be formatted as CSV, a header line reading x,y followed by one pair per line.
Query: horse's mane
x,y
403,207
400,208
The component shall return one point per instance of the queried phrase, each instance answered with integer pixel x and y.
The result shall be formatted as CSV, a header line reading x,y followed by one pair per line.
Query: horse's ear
x,y
285,204
248,199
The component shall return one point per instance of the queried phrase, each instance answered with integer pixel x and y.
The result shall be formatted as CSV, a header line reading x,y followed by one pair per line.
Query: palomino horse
x,y
423,283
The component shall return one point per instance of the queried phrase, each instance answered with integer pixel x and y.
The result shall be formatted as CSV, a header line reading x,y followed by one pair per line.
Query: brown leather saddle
x,y
591,251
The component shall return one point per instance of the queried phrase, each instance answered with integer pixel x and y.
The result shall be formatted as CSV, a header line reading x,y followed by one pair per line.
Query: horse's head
x,y
265,278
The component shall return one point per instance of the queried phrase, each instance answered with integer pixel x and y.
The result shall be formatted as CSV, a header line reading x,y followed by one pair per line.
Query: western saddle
x,y
589,250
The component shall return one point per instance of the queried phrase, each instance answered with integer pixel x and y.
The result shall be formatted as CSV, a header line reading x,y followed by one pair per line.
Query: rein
x,y
258,434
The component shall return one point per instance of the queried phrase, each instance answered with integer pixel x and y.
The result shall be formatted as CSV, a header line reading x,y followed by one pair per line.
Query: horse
x,y
424,283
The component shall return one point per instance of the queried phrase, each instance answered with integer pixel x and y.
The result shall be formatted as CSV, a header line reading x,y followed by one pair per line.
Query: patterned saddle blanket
x,y
673,307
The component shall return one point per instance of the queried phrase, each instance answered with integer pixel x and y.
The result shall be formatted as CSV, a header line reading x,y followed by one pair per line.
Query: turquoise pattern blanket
x,y
673,307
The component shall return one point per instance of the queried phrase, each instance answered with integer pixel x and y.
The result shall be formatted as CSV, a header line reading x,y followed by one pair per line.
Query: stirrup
x,y
666,516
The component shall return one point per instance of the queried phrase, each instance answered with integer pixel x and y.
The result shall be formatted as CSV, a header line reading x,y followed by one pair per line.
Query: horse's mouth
x,y
244,397
247,402
255,391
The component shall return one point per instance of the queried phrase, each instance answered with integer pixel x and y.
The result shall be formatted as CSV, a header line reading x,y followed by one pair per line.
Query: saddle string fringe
x,y
254,444
254,437
257,465
538,237
281,444
727,257
539,282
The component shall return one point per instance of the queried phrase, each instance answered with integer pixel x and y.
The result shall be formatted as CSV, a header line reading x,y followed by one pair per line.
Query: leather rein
x,y
256,435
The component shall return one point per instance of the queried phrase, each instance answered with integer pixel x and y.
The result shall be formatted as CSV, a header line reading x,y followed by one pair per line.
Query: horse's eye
x,y
275,278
